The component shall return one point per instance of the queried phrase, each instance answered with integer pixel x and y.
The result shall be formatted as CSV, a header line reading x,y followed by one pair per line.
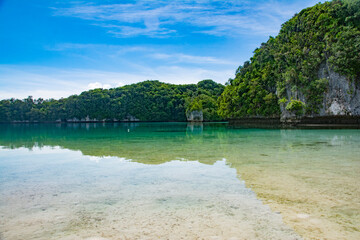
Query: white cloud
x,y
99,52
98,85
184,58
119,84
161,18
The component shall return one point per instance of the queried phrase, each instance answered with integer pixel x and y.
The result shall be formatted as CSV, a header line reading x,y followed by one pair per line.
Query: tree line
x,y
145,101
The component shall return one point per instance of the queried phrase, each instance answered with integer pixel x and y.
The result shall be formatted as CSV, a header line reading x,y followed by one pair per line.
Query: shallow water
x,y
178,181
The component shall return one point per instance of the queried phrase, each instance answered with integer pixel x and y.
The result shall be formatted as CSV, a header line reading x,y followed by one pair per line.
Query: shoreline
x,y
76,122
320,122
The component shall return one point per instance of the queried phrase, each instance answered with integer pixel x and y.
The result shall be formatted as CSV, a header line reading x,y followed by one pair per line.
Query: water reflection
x,y
195,127
147,143
307,175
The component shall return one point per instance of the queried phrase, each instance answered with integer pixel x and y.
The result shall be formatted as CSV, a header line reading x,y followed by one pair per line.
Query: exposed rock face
x,y
285,114
342,97
76,120
195,116
130,118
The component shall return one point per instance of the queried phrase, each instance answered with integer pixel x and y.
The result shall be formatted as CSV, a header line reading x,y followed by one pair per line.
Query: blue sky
x,y
53,49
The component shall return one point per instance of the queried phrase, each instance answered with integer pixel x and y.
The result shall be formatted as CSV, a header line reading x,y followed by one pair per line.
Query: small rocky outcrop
x,y
195,116
130,118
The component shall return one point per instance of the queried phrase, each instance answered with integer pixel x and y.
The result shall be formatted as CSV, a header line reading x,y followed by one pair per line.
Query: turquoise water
x,y
177,181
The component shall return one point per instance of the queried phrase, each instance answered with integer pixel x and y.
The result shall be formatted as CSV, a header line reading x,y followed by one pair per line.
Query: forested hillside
x,y
311,68
145,101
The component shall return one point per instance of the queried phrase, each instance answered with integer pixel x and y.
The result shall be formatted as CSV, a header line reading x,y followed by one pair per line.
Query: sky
x,y
53,49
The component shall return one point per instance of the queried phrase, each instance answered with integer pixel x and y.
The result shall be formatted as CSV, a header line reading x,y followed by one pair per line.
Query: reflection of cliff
x,y
195,127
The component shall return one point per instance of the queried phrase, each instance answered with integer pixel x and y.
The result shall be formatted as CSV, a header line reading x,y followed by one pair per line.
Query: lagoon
x,y
177,181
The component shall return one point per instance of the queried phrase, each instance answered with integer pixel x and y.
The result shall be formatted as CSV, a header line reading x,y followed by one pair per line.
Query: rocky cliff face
x,y
341,98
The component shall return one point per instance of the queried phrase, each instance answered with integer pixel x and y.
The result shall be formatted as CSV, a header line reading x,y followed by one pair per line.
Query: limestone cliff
x,y
340,98
311,69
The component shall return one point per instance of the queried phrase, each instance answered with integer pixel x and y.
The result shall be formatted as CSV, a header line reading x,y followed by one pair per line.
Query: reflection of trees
x,y
155,143
150,143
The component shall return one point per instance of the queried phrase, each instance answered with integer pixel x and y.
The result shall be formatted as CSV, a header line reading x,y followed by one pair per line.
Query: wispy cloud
x,y
148,52
184,58
103,48
98,85
162,18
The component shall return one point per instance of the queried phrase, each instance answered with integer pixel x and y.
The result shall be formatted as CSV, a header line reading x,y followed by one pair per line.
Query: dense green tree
x,y
284,66
146,101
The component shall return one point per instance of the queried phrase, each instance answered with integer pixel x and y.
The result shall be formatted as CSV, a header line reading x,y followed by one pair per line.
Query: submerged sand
x,y
314,184
114,199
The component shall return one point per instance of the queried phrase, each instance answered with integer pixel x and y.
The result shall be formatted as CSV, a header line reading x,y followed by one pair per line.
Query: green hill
x,y
312,68
144,101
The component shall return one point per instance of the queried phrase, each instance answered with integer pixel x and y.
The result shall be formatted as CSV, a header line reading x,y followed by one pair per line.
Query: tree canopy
x,y
288,65
146,101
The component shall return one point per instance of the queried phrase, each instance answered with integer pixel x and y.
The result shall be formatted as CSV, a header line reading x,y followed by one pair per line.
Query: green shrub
x,y
296,106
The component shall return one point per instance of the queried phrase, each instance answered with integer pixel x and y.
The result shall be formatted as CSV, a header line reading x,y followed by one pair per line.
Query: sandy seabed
x,y
175,200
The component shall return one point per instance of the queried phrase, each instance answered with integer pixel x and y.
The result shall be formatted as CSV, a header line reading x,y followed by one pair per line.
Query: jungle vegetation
x,y
287,65
145,101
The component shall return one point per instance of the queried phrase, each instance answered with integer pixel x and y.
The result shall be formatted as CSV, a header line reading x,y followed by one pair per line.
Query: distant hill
x,y
312,68
144,101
